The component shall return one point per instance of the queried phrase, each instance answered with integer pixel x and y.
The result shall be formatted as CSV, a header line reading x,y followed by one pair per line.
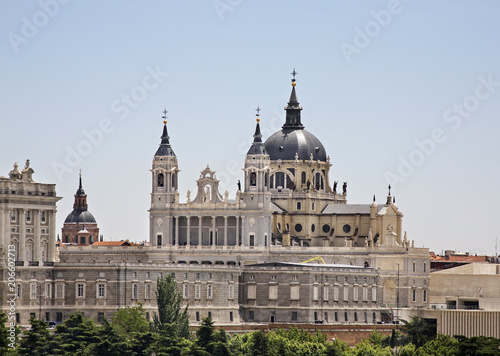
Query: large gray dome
x,y
286,143
81,217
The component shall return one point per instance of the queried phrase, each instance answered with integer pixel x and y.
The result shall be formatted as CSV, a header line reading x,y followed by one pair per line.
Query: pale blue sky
x,y
374,77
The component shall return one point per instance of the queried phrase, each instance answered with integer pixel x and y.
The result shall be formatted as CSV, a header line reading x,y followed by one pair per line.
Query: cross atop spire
x,y
164,117
389,189
294,73
258,110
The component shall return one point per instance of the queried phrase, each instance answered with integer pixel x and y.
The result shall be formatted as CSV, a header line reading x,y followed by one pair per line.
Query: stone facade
x,y
285,212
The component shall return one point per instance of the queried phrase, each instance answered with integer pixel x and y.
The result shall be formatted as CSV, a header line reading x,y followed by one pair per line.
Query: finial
x,y
80,172
374,198
164,117
394,200
294,73
258,113
389,189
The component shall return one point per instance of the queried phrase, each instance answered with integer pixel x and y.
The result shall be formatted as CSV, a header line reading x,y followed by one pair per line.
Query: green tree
x,y
418,331
76,337
441,346
478,345
170,310
5,334
131,320
112,341
35,341
204,334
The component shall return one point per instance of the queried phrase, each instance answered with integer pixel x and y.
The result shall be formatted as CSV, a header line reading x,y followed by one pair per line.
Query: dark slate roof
x,y
257,147
165,149
349,209
286,143
80,216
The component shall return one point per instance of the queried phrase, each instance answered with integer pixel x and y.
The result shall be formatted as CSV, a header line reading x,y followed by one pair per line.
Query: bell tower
x,y
257,195
164,193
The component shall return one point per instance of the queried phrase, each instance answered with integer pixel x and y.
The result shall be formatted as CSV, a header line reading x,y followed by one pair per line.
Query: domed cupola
x,y
80,219
293,142
80,214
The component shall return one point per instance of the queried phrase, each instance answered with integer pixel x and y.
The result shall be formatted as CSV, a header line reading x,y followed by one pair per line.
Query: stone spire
x,y
257,147
165,149
293,109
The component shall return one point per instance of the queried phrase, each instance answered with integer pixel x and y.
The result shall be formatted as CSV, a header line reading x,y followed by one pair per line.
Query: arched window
x,y
303,179
161,179
253,179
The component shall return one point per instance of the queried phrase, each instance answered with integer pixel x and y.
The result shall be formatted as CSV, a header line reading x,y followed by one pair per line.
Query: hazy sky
x,y
401,92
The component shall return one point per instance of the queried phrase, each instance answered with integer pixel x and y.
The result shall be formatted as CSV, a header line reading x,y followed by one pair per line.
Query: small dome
x,y
80,216
286,143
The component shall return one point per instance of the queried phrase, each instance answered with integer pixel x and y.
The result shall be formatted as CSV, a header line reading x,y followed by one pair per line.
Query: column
x,y
52,236
188,237
214,233
176,237
37,256
225,231
200,243
22,235
237,230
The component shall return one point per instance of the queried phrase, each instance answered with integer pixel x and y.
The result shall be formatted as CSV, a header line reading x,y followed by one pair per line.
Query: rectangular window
x,y
425,266
47,316
100,317
80,290
374,294
315,293
197,316
13,215
294,316
230,316
252,240
18,318
251,315
210,315
231,291
346,293
209,291
18,291
414,266
355,294
33,291
158,240
185,291
374,317
135,291
147,316
252,291
325,293
273,292
299,205
48,290
147,294
59,317
59,291
336,294
42,216
346,316
365,294
326,317
355,316
424,295
413,295
295,292
101,291
28,216
147,274
336,316
197,291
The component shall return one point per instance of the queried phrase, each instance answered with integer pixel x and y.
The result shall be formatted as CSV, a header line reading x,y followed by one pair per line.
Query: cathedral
x,y
286,248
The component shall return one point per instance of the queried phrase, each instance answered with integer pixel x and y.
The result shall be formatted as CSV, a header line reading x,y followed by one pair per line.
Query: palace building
x,y
286,248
